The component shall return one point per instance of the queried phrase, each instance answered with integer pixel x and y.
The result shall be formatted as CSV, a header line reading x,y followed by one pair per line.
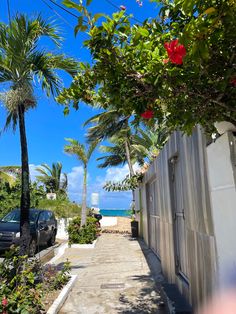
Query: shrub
x,y
24,282
61,208
83,235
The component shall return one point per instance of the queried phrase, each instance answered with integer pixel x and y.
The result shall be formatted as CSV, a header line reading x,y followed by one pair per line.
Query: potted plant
x,y
134,222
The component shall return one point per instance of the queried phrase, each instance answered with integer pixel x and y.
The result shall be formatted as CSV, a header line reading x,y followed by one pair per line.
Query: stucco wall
x,y
222,167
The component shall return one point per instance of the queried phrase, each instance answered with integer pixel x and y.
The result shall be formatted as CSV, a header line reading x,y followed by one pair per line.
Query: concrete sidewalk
x,y
114,277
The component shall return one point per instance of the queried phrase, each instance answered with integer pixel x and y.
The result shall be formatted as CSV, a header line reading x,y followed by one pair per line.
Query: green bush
x,y
83,235
25,282
61,208
10,196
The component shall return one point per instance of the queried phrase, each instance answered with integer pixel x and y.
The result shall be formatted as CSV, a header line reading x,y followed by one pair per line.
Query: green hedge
x,y
83,235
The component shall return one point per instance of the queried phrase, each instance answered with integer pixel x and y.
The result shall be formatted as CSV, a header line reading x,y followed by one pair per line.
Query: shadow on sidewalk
x,y
150,299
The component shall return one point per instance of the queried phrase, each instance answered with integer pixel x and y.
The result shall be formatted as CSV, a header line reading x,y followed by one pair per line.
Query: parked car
x,y
43,229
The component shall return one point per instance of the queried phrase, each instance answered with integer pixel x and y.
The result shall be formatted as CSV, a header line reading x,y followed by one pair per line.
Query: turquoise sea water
x,y
115,212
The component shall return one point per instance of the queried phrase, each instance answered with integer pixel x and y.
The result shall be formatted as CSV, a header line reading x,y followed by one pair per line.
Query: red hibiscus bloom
x,y
176,52
233,81
148,114
122,7
4,302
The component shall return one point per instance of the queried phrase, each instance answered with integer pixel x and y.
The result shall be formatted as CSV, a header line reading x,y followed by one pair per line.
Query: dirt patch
x,y
49,298
123,226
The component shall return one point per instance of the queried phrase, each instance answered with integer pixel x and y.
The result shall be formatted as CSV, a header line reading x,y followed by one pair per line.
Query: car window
x,y
43,216
50,215
14,216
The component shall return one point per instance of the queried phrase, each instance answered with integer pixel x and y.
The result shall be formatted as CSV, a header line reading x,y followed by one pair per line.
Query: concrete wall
x,y
222,172
62,225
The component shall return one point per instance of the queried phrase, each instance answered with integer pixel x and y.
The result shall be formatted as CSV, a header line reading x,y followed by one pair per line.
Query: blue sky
x,y
46,125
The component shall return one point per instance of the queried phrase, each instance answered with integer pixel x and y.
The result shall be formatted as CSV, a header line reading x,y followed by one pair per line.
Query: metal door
x,y
153,216
179,225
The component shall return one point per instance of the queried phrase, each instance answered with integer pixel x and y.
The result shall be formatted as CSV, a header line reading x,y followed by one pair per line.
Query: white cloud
x,y
75,183
33,172
106,199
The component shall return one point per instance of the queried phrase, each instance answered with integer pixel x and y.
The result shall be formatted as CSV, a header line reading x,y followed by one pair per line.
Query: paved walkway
x,y
114,277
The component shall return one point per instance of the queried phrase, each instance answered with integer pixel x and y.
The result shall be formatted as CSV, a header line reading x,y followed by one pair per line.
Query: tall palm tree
x,y
108,124
21,65
83,155
149,141
116,153
54,180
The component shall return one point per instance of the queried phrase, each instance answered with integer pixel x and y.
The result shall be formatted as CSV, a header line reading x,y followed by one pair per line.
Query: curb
x,y
58,303
60,251
83,246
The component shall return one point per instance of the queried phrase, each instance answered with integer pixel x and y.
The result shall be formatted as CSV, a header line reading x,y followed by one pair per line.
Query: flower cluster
x,y
233,81
175,51
148,114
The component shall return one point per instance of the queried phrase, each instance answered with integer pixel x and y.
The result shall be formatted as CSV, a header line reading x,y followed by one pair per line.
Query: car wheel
x,y
52,240
32,247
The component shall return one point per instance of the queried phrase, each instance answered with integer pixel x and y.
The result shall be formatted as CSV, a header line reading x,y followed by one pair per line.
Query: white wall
x,y
221,172
62,225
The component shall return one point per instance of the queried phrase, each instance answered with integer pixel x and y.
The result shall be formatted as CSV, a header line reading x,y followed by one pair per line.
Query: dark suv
x,y
43,229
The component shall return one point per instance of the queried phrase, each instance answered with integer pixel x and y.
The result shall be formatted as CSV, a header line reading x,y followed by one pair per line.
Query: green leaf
x,y
66,111
210,11
97,16
88,2
143,31
72,5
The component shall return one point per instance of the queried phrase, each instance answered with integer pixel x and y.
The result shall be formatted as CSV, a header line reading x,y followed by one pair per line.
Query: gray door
x,y
179,225
153,216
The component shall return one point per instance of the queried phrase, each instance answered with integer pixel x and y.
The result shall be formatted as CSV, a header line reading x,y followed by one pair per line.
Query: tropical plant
x,y
83,155
83,234
148,141
128,183
25,282
53,179
10,195
21,62
180,65
9,174
113,124
117,153
62,208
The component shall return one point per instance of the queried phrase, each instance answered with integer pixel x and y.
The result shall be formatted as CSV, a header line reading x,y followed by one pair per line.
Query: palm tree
x,y
54,180
149,141
22,64
111,123
83,155
117,153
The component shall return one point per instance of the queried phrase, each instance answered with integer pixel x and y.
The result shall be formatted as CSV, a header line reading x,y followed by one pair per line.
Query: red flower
x,y
4,302
148,114
233,81
176,52
122,7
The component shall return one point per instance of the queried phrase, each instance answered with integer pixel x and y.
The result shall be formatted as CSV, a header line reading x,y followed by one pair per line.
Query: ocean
x,y
115,212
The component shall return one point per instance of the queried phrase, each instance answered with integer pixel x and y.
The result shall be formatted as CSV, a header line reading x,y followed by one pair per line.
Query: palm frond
x,y
77,149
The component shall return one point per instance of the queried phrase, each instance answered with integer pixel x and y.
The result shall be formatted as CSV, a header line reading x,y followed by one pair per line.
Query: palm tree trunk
x,y
25,189
84,199
127,151
131,169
